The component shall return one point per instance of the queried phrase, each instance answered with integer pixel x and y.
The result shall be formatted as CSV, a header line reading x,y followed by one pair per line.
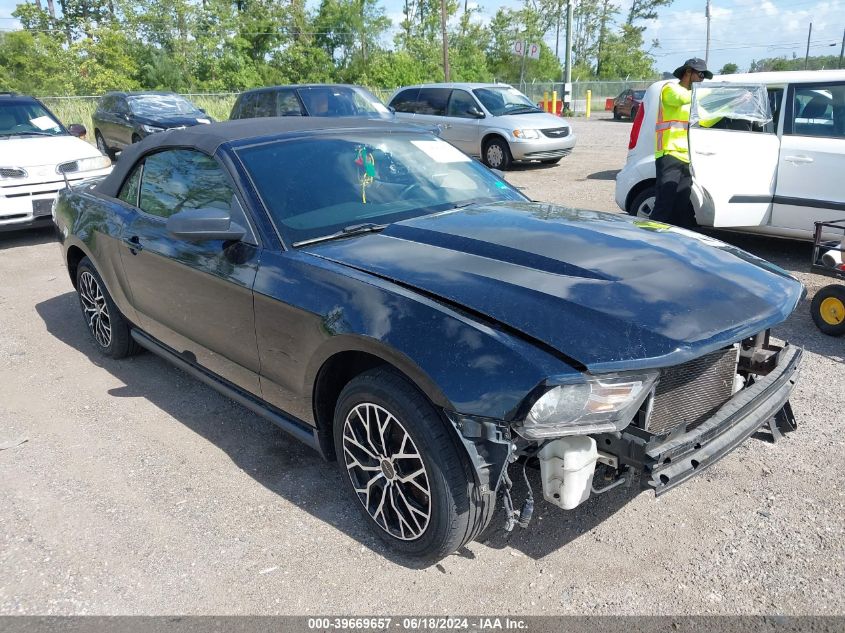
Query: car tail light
x,y
635,130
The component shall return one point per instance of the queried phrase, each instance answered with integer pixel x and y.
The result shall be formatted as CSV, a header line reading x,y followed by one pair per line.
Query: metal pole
x,y
569,15
807,56
707,49
445,40
557,29
522,68
841,50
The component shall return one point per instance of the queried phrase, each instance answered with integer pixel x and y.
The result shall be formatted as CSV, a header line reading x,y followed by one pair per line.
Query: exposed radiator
x,y
690,393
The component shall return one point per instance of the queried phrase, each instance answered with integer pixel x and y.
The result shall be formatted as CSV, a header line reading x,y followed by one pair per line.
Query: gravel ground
x,y
141,491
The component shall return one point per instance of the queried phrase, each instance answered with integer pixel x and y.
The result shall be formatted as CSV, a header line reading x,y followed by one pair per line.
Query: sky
x,y
740,30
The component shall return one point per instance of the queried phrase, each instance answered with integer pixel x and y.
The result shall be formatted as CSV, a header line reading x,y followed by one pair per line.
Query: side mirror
x,y
200,225
392,109
474,111
77,129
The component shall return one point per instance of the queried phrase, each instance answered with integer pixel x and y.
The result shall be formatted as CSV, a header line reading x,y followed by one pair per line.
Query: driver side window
x,y
175,180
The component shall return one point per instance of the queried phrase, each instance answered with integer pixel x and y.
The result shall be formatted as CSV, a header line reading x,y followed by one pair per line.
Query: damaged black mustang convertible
x,y
398,307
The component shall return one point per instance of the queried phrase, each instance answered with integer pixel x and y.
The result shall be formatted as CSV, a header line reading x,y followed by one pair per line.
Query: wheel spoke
x,y
356,464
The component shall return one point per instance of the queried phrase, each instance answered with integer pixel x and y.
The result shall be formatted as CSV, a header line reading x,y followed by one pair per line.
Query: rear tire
x,y
633,113
616,115
497,154
403,469
643,203
828,310
108,328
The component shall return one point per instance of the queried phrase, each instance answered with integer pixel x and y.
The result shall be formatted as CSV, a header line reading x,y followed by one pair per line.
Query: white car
x,y
773,178
37,153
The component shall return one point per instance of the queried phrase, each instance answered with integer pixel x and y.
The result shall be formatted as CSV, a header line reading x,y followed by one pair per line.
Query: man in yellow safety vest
x,y
671,152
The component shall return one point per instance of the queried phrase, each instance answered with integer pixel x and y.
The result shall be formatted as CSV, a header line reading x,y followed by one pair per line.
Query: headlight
x,y
526,134
601,404
152,129
90,164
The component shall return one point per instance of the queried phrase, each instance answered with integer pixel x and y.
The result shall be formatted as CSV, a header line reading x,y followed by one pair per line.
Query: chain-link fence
x,y
219,105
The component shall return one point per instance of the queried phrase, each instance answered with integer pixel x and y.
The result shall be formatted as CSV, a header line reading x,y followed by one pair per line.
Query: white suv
x,y
37,154
775,178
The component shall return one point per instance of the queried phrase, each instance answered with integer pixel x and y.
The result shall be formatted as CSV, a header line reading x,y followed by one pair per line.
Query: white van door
x,y
812,157
733,153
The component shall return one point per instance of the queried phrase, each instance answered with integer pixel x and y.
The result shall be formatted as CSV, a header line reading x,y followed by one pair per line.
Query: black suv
x,y
309,100
123,118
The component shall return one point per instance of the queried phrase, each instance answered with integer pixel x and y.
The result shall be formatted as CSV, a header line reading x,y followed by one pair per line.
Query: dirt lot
x,y
140,491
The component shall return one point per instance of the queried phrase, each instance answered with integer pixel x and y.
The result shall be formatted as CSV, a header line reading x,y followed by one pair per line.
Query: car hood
x,y
531,120
606,291
33,151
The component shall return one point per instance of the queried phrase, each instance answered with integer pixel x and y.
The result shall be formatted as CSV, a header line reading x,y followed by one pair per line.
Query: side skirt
x,y
297,428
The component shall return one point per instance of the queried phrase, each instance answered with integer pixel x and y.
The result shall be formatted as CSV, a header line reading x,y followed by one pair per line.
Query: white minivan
x,y
774,178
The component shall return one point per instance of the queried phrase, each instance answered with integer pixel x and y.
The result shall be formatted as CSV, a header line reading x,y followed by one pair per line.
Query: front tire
x,y
828,310
108,328
616,115
403,468
497,154
105,150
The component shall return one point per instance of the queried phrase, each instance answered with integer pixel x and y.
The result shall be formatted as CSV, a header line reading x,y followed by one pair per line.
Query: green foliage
x,y
91,46
729,69
820,62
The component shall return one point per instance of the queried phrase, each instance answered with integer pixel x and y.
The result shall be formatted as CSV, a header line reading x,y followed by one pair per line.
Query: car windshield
x,y
501,100
318,186
341,101
27,118
162,105
638,94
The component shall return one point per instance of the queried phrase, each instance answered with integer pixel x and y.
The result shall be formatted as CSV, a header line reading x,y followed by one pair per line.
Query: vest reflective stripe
x,y
671,134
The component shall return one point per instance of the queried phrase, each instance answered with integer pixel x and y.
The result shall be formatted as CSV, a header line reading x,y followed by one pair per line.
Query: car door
x,y
195,297
812,157
404,103
733,153
464,124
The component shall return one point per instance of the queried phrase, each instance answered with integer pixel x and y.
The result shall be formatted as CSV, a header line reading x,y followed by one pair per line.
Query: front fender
x,y
309,309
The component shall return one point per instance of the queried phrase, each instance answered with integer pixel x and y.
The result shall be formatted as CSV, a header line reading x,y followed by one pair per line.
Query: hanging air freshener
x,y
367,161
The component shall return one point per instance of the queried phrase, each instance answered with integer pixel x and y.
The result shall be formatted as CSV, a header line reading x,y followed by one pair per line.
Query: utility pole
x,y
557,29
807,56
445,40
568,65
841,50
707,48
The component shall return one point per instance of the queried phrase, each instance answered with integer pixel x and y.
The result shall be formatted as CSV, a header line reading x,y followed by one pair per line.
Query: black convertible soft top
x,y
207,138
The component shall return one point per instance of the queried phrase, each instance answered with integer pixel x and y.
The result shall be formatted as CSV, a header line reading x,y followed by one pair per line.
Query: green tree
x,y
35,63
729,69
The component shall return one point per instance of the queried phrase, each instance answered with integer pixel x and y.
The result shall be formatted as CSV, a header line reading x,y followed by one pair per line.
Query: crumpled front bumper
x,y
670,461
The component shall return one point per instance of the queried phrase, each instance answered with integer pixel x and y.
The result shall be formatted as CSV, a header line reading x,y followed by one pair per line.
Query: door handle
x,y
798,159
134,244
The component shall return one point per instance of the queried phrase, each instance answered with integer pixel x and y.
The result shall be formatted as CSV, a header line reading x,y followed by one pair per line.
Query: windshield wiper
x,y
32,133
352,229
523,110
